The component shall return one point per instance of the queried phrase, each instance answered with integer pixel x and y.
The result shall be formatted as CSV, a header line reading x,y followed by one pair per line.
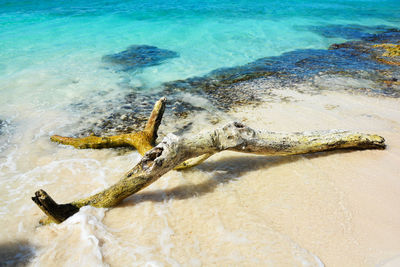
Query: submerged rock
x,y
139,56
356,59
350,31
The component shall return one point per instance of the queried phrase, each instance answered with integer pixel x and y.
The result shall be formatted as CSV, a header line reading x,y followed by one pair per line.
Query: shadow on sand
x,y
225,171
17,253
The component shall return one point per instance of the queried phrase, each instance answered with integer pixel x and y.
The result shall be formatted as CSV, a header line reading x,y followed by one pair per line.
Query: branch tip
x,y
56,212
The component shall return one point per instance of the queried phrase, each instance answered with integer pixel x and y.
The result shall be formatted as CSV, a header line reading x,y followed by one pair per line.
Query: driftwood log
x,y
142,141
178,152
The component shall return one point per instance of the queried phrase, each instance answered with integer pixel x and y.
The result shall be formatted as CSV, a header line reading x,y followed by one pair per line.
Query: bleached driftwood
x,y
173,151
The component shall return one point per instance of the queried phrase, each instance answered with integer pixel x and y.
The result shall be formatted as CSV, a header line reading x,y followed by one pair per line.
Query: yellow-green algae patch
x,y
392,50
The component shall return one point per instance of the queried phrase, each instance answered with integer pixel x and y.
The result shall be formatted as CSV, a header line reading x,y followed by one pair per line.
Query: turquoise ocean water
x,y
68,40
51,56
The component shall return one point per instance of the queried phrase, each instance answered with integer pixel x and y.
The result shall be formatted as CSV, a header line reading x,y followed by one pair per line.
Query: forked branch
x,y
143,141
173,151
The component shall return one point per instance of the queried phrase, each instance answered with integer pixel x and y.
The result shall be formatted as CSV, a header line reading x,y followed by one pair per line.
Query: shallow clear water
x,y
51,57
69,40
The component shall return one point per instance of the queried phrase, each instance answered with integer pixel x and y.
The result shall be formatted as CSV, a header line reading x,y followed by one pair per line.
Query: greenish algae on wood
x,y
143,141
173,151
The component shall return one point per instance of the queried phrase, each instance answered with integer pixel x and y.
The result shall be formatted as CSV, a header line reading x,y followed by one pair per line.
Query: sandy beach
x,y
334,208
339,205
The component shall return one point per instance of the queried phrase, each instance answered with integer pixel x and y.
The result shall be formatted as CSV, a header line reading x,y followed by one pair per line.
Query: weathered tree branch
x,y
173,151
55,212
143,141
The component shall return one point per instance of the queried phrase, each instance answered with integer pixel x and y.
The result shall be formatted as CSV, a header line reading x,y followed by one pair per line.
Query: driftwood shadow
x,y
17,253
226,170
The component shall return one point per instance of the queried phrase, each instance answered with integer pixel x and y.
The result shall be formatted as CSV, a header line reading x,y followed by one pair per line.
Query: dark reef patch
x,y
359,66
139,56
350,31
357,59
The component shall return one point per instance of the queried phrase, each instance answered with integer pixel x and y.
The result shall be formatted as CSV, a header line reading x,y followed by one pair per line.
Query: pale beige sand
x,y
336,208
343,206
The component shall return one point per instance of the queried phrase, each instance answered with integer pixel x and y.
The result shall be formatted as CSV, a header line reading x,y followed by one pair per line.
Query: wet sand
x,y
335,208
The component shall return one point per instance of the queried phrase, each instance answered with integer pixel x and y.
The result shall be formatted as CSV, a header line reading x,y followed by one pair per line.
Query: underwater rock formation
x,y
350,31
347,59
139,56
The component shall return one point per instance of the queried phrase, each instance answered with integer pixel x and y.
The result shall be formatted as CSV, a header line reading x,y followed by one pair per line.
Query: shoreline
x,y
367,65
